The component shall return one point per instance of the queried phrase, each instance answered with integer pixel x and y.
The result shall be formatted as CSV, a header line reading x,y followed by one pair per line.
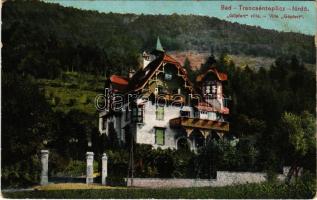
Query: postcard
x,y
158,99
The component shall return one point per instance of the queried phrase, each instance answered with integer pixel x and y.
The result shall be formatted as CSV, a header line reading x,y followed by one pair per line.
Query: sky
x,y
305,24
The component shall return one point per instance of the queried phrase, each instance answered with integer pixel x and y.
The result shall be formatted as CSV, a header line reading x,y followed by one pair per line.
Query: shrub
x,y
71,102
84,99
271,175
75,168
55,101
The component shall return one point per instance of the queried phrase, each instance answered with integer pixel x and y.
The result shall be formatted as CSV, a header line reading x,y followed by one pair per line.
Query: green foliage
x,y
105,44
27,122
271,190
300,130
76,168
226,155
258,101
118,162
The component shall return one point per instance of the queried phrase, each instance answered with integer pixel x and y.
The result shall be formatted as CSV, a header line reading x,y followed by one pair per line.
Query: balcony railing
x,y
171,97
188,122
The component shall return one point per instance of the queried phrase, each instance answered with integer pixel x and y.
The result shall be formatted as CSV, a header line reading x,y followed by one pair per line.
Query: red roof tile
x,y
221,76
119,80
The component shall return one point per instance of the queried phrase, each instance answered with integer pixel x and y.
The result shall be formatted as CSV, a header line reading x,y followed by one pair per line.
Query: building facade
x,y
160,106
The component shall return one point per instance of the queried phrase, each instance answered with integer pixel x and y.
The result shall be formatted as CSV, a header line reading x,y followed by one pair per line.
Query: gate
x,y
73,171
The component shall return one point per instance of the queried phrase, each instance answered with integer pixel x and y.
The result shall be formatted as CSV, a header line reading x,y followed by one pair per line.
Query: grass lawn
x,y
263,190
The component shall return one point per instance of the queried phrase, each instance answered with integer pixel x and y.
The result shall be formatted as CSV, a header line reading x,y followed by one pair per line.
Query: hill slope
x,y
43,39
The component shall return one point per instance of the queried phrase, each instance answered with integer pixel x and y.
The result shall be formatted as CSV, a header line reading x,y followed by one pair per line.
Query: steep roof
x,y
159,46
119,80
221,76
119,83
141,77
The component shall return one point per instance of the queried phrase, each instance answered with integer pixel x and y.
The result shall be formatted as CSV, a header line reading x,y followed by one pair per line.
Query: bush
x,y
271,175
71,102
75,168
23,173
247,191
116,181
84,99
26,124
55,101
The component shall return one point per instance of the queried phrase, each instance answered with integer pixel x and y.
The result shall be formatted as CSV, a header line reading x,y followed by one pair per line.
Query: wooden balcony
x,y
171,97
206,124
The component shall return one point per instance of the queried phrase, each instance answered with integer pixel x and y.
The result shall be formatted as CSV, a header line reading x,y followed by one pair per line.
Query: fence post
x,y
44,162
104,172
90,167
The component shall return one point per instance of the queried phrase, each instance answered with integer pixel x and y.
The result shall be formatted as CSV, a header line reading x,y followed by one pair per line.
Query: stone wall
x,y
224,178
231,178
169,183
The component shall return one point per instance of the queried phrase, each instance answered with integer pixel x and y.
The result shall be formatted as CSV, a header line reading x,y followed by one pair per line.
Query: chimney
x,y
131,73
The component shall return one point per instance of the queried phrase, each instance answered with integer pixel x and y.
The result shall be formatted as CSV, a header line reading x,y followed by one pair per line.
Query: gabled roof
x,y
221,76
119,83
141,77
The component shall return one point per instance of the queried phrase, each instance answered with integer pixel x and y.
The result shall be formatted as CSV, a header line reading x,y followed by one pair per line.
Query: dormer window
x,y
168,77
214,89
207,89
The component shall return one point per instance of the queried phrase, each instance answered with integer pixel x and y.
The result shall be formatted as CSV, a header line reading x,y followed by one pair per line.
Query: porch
x,y
195,132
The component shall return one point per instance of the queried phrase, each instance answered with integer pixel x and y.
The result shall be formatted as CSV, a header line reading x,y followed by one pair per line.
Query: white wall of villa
x,y
146,130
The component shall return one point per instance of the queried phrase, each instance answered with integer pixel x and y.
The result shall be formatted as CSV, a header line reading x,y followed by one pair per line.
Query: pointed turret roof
x,y
159,45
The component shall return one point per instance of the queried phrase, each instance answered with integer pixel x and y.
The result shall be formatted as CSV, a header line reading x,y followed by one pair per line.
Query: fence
x,y
223,178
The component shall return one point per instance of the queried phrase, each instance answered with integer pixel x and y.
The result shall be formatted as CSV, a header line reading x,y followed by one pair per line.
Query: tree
x,y
300,130
191,73
26,128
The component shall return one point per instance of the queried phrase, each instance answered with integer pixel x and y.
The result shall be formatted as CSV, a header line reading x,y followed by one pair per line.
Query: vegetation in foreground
x,y
264,190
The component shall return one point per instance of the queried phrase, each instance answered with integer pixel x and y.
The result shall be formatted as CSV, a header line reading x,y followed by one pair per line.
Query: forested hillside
x,y
44,39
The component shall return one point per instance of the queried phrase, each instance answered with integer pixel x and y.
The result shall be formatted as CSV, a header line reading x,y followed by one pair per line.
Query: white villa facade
x,y
160,106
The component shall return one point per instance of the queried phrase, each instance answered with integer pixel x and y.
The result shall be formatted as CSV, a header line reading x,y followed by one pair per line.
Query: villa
x,y
160,106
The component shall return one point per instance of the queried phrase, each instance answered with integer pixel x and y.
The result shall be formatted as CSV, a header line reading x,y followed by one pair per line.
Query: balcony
x,y
171,97
187,122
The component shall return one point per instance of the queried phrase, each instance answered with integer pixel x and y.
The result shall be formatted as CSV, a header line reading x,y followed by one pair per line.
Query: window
x,y
185,113
212,116
104,123
225,102
214,88
140,114
168,77
159,136
137,114
159,113
160,89
127,114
